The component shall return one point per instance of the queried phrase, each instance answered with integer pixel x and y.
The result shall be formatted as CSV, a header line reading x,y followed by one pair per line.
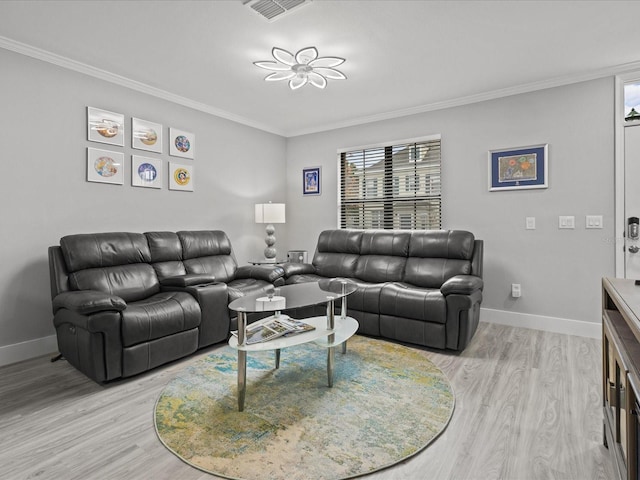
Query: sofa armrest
x,y
86,302
291,269
213,299
462,285
267,273
188,280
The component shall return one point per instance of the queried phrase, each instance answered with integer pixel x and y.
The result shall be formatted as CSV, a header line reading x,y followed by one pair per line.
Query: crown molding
x,y
624,69
64,62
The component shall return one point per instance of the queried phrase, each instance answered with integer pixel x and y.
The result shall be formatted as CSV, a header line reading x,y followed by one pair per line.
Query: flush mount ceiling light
x,y
302,68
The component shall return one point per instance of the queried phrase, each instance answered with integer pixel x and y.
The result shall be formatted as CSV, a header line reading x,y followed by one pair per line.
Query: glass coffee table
x,y
329,331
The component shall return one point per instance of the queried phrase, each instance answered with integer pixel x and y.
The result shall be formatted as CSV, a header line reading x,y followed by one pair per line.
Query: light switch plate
x,y
530,223
566,221
593,221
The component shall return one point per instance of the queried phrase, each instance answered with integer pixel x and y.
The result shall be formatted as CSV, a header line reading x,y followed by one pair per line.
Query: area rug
x,y
387,403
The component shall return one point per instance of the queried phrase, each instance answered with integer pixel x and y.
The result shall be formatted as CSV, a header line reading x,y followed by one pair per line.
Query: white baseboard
x,y
29,349
540,322
48,345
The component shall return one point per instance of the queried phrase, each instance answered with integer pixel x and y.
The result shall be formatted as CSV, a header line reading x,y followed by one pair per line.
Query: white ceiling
x,y
402,56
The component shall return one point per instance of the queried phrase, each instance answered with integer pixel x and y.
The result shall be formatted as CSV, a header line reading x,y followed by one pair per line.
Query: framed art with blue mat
x,y
519,168
311,181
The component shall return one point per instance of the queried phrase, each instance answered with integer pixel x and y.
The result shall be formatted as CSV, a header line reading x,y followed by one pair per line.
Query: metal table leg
x,y
343,312
242,360
331,323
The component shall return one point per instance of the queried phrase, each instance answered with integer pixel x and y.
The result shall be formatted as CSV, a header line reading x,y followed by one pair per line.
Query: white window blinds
x,y
391,187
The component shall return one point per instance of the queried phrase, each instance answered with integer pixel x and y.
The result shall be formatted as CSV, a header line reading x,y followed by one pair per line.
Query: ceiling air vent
x,y
274,9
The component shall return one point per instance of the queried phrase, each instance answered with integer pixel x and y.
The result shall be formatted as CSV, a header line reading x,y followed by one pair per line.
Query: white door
x,y
632,201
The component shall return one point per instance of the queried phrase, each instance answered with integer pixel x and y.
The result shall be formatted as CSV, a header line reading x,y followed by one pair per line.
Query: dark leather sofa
x,y
422,287
124,303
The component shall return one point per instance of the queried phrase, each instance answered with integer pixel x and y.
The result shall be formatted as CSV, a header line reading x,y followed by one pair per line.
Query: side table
x,y
264,261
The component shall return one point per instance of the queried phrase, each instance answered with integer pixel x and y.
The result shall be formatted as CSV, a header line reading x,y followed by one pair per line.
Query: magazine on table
x,y
274,327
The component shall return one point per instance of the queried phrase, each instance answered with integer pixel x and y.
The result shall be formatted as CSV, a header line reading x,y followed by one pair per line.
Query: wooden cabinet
x,y
621,373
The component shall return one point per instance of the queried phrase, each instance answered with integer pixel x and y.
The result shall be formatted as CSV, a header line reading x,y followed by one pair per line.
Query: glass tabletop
x,y
295,296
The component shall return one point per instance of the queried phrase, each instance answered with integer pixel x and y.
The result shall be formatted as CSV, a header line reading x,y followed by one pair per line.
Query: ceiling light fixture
x,y
302,68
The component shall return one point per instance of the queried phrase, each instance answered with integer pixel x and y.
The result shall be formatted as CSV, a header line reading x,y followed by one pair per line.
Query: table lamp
x,y
270,213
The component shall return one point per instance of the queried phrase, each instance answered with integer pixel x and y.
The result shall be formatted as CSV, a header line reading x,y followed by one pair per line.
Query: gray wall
x,y
559,270
44,194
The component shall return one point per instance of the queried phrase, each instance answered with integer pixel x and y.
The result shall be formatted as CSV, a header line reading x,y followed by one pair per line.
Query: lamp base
x,y
270,251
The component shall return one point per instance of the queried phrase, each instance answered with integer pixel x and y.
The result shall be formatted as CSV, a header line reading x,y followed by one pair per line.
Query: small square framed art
x,y
311,179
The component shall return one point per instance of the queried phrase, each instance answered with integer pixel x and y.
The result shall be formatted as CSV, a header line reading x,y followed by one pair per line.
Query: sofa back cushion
x,y
337,253
437,255
91,250
166,254
130,282
114,263
383,256
208,252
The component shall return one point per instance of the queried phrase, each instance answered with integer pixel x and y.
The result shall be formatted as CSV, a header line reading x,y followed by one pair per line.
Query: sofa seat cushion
x,y
247,286
408,301
366,298
162,314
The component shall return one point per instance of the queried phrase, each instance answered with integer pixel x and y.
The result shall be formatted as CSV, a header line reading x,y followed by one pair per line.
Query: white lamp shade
x,y
270,213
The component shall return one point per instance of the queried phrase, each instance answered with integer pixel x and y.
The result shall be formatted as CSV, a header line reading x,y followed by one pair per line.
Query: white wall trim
x,y
619,188
49,346
480,97
540,322
29,349
59,60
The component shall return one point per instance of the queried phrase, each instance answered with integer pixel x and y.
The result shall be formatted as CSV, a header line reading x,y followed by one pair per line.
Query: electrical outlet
x,y
515,290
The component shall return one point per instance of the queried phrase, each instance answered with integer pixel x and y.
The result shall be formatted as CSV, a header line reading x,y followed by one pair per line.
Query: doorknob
x,y
634,249
633,228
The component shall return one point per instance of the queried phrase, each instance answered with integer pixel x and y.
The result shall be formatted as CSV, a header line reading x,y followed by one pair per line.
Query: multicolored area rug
x,y
387,403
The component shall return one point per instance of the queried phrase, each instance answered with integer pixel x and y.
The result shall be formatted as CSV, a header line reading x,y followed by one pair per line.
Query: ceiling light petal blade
x,y
307,55
283,56
273,66
326,62
297,82
280,76
317,80
331,73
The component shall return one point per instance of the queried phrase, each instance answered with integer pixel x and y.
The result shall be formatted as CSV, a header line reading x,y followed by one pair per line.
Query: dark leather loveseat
x,y
422,287
124,303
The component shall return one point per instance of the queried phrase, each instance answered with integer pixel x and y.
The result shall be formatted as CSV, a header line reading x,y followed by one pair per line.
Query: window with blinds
x,y
392,187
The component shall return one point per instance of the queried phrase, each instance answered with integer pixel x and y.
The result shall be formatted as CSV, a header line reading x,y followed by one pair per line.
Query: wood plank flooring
x,y
528,406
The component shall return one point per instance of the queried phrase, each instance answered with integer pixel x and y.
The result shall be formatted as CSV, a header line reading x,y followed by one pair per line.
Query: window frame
x,y
392,192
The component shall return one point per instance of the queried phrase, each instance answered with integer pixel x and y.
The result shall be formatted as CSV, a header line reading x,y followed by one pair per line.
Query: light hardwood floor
x,y
528,406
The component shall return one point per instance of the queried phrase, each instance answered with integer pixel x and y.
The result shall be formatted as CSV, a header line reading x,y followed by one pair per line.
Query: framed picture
x,y
105,127
519,168
146,135
180,177
311,181
181,143
146,172
105,166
